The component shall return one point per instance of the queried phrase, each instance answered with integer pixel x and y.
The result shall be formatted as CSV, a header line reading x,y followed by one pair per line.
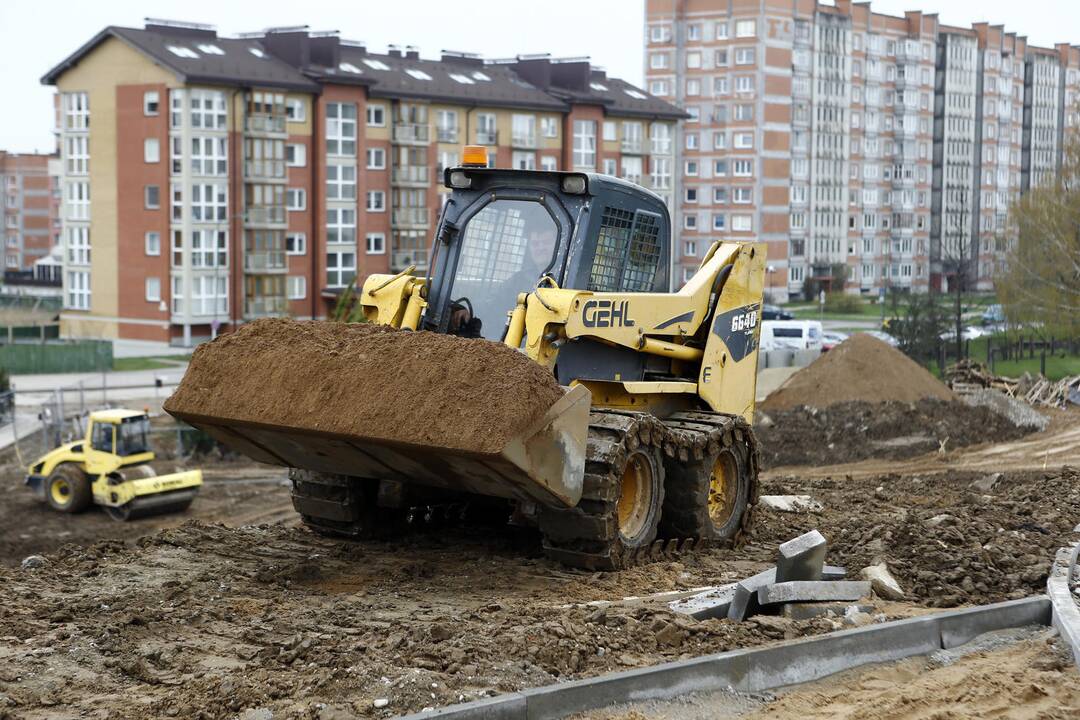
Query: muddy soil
x,y
208,621
850,431
237,493
860,368
368,380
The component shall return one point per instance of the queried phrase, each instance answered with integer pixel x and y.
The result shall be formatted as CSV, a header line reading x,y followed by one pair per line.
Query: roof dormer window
x,y
256,52
463,79
184,52
482,77
349,68
376,64
597,86
418,74
635,94
210,49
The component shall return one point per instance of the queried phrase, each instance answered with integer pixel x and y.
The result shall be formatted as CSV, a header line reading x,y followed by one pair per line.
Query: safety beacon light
x,y
474,156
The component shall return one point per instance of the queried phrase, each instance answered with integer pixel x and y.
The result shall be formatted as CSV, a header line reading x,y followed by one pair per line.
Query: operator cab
x,y
506,232
121,432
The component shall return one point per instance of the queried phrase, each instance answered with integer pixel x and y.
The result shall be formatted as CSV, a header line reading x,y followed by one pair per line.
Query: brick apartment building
x,y
870,151
208,181
30,208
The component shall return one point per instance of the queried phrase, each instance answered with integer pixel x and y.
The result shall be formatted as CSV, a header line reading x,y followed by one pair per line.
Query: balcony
x,y
412,134
632,146
265,306
267,124
660,147
264,215
263,261
410,217
410,175
524,141
264,169
447,134
42,276
487,137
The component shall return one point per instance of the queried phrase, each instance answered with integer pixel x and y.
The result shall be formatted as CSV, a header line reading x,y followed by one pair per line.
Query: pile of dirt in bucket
x,y
860,368
370,381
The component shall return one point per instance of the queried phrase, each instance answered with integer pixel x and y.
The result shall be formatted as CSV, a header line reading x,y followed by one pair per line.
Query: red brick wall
x,y
134,221
303,222
583,112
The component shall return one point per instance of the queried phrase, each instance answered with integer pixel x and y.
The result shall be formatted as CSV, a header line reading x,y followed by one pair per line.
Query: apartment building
x,y
209,180
29,206
869,151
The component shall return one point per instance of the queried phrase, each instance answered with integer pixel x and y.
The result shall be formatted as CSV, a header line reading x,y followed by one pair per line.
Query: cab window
x,y
101,437
627,251
132,436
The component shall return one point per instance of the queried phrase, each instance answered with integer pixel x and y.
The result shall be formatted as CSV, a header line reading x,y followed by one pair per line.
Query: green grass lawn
x,y
148,363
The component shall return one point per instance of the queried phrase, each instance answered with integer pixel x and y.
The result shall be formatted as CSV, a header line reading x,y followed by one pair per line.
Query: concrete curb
x,y
755,670
1065,614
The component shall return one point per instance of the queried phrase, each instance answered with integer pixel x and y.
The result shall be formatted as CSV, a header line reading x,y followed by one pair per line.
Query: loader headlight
x,y
458,179
574,185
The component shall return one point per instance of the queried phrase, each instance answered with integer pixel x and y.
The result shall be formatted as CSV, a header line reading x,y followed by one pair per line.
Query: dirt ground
x,y
209,620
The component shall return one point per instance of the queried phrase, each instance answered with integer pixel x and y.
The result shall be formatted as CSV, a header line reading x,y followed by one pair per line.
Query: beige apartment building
x,y
209,180
29,211
870,151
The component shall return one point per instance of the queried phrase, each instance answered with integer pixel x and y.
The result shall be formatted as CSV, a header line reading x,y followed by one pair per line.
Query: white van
x,y
791,335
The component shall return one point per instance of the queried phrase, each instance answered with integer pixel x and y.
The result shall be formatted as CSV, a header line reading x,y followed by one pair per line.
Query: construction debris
x,y
1017,411
790,503
968,375
1055,394
808,610
802,558
812,591
882,582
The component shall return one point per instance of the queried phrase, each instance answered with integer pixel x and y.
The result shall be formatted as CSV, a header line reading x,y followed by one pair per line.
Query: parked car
x,y
832,338
883,337
971,332
791,335
993,315
775,312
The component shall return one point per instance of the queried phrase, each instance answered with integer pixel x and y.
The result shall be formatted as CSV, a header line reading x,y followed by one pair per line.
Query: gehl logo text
x,y
606,313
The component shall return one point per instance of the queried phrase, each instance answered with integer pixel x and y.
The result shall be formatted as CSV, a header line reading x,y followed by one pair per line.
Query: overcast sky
x,y
34,36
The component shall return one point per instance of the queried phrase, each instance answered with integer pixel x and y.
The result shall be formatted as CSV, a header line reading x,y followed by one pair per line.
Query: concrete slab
x,y
744,603
960,626
833,572
1065,614
812,591
790,503
802,558
709,604
805,611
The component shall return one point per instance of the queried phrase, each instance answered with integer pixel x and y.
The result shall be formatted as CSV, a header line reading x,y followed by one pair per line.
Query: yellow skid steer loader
x,y
110,467
650,449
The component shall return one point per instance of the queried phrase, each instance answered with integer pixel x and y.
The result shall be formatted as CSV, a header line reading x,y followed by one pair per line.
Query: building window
x,y
78,245
76,111
743,168
376,243
78,201
295,244
719,222
296,155
296,199
376,115
151,103
209,202
549,127
208,109
548,163
151,150
340,182
744,56
77,155
658,61
523,160
610,167
742,223
523,130
209,155
151,197
690,222
691,194
446,126
153,289
78,290
295,109
376,158
152,243
745,28
296,287
742,195
340,268
376,201
584,145
744,141
341,129
611,131
340,225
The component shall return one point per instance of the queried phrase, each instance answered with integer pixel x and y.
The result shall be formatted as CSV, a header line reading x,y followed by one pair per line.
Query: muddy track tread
x,y
583,536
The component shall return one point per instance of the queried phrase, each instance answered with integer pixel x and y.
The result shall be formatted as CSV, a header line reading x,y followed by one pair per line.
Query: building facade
x,y
869,151
30,208
208,181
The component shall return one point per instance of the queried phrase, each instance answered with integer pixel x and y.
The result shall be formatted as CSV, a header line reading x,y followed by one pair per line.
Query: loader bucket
x,y
544,463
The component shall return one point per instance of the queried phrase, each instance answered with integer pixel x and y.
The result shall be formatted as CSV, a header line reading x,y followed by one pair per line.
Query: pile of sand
x,y
860,368
370,381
